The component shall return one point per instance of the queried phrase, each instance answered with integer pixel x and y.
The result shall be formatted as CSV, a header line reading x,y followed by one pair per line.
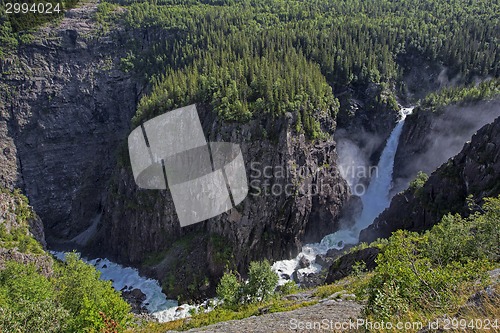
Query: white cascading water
x,y
377,197
375,200
128,278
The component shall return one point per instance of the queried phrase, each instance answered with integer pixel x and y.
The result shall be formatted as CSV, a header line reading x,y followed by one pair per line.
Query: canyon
x,y
67,105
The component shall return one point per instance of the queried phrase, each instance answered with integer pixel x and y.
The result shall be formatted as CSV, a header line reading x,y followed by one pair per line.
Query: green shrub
x,y
73,300
289,287
358,268
19,282
261,281
418,183
27,302
34,317
461,239
428,272
451,240
487,230
89,299
229,289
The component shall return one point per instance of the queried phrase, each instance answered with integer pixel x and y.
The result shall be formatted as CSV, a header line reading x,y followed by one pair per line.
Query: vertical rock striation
x,y
65,107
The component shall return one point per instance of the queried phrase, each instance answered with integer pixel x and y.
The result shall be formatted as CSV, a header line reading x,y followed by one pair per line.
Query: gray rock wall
x,y
64,118
429,138
65,107
296,196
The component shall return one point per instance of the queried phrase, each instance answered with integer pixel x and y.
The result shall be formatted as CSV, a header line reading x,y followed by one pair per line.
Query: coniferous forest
x,y
257,56
250,57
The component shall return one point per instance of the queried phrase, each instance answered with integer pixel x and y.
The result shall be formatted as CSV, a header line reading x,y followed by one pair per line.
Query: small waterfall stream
x,y
375,200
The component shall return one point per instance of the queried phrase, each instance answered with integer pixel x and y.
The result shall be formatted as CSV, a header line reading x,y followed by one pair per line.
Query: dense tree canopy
x,y
258,56
246,57
436,102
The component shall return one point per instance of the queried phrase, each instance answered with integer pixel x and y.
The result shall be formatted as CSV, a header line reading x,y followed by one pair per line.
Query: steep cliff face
x,y
366,118
296,195
64,109
21,233
422,76
430,138
474,171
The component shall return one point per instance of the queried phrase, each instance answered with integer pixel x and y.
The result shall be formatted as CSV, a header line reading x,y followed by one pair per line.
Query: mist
x,y
446,138
354,153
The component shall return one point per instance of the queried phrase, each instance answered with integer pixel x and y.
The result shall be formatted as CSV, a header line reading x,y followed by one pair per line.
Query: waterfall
x,y
375,200
377,197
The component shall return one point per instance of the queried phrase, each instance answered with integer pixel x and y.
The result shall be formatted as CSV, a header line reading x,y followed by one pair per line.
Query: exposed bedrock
x,y
429,138
65,107
64,118
296,196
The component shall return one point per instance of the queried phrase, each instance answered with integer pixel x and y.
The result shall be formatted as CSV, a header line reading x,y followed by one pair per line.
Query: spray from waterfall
x,y
377,197
375,200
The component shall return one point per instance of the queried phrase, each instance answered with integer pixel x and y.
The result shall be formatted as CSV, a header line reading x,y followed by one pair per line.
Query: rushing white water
x,y
377,197
375,200
127,278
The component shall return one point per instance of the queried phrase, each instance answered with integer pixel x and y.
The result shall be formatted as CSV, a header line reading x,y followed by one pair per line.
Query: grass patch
x,y
224,314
